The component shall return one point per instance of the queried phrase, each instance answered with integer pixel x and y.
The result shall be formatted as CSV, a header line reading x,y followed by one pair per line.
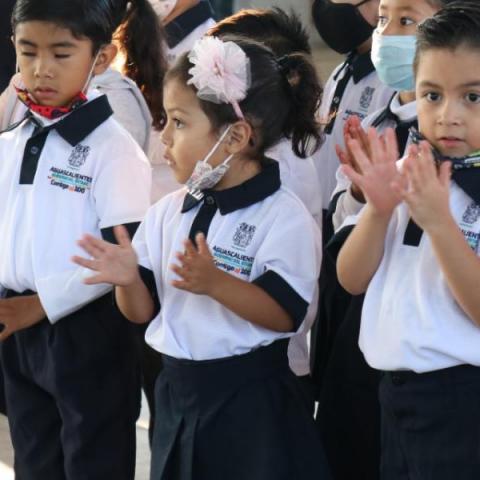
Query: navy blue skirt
x,y
238,418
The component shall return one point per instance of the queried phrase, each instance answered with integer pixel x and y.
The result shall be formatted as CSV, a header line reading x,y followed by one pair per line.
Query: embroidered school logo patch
x,y
79,156
472,213
366,98
244,235
70,181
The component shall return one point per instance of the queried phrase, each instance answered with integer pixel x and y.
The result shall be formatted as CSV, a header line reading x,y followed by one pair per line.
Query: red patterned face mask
x,y
45,111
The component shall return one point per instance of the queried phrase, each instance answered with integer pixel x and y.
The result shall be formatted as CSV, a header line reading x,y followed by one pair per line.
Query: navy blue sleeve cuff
x,y
109,236
284,295
149,281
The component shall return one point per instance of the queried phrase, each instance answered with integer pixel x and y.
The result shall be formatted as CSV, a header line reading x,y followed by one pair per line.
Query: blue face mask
x,y
393,56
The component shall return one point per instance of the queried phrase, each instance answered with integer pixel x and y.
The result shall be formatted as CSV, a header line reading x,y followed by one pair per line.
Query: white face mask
x,y
163,8
204,176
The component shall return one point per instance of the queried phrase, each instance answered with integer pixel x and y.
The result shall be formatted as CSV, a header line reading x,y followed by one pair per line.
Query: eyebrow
x,y
28,43
475,83
176,109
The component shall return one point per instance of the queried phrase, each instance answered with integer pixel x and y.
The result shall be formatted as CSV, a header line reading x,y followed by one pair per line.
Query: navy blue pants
x,y
431,425
72,393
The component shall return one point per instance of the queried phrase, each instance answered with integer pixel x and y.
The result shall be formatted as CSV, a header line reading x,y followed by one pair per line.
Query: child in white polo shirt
x,y
227,269
415,252
70,373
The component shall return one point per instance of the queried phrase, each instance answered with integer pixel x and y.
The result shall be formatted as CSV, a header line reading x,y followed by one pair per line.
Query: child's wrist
x,y
440,225
216,283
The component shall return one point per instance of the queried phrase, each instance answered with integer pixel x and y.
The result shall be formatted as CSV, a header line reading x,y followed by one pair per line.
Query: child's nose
x,y
450,113
165,137
43,68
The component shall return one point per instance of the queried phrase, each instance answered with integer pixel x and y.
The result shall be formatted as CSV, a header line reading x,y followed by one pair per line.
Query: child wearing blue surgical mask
x,y
393,51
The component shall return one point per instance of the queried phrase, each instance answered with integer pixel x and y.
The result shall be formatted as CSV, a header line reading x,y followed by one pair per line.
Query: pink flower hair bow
x,y
221,72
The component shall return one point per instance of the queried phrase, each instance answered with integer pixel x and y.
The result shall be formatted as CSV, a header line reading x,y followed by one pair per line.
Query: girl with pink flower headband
x,y
226,269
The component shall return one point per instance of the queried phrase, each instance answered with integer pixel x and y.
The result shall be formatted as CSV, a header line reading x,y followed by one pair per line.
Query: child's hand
x,y
115,264
353,130
197,270
19,313
424,188
377,170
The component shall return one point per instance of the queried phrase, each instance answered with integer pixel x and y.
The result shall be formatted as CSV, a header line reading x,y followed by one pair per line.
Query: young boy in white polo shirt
x,y
70,375
415,252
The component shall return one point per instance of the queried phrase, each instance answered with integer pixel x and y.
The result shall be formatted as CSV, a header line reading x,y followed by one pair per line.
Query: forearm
x,y
362,253
135,302
459,264
250,302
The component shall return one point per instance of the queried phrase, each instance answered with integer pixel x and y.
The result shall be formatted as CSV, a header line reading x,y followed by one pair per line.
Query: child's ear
x,y
239,137
105,58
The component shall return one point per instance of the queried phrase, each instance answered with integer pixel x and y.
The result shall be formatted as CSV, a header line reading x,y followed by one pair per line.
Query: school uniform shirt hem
x,y
66,293
280,290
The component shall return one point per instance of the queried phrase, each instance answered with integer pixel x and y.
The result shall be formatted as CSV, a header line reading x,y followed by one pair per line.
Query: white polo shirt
x,y
259,232
346,203
364,94
86,174
410,319
183,31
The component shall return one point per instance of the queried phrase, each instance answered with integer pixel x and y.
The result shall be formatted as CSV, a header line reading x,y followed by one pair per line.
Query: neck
x,y
406,97
365,46
241,170
181,7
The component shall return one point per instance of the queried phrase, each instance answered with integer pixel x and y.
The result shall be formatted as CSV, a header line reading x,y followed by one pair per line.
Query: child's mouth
x,y
44,93
450,142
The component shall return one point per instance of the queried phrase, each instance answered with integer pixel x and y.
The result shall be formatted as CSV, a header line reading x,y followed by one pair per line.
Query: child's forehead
x,y
446,66
414,6
179,96
40,31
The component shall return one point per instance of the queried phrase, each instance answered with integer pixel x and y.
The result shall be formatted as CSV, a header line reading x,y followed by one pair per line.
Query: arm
x,y
426,193
198,274
19,313
362,253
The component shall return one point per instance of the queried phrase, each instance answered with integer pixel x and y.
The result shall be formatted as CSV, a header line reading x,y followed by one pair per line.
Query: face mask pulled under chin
x,y
341,25
205,176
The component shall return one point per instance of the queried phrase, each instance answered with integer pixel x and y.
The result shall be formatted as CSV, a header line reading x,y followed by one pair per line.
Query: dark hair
x,y
140,36
282,100
450,28
283,33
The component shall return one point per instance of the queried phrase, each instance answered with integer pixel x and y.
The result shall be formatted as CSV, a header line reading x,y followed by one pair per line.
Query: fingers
x,y
391,145
355,178
359,155
84,262
93,246
445,173
5,333
122,236
190,249
202,245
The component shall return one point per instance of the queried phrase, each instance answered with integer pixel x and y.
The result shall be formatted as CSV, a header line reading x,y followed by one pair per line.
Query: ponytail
x,y
141,38
305,92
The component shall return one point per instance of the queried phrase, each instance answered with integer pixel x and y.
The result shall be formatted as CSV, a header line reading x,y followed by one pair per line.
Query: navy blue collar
x,y
254,190
360,65
182,26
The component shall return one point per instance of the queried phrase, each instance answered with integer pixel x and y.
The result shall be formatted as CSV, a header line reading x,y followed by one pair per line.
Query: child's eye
x,y
473,97
59,55
406,21
178,123
432,96
381,21
28,54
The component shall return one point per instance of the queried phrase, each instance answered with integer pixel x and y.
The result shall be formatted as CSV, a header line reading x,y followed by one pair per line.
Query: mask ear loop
x,y
90,75
214,149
